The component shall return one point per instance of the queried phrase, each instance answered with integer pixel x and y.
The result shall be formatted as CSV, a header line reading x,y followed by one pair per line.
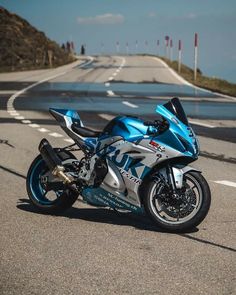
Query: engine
x,y
93,171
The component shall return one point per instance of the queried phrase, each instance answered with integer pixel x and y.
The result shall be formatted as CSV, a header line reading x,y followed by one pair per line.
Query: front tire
x,y
48,200
181,212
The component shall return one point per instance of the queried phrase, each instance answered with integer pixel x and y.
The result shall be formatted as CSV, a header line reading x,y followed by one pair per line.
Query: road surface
x,y
97,251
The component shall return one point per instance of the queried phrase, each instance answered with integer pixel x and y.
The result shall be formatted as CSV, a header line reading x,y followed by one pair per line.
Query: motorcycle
x,y
135,165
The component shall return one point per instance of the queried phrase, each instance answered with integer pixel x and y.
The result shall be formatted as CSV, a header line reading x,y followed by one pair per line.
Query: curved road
x,y
97,251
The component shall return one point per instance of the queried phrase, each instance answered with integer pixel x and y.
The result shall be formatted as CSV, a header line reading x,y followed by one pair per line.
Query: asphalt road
x,y
97,251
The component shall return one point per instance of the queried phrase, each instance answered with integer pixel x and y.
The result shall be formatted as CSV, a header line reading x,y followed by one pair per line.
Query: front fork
x,y
175,177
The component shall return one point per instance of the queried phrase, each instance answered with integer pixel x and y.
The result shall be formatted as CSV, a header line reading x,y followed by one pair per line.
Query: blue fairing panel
x,y
128,127
73,115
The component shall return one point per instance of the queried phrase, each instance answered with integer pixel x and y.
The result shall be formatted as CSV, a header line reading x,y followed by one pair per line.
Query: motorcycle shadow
x,y
102,215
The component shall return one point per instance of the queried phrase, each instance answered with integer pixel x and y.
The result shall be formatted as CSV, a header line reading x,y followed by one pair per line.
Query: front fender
x,y
178,174
178,170
189,168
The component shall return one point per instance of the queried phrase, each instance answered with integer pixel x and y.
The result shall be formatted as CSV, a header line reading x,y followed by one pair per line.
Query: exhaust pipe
x,y
53,162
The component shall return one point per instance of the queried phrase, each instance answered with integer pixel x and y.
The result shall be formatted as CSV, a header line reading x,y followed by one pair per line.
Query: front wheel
x,y
46,193
183,210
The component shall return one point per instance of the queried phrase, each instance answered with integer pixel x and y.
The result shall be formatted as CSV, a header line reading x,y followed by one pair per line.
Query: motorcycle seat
x,y
84,131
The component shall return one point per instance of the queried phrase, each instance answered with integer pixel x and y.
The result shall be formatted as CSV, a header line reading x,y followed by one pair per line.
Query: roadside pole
x,y
167,45
195,56
136,46
146,46
158,44
127,48
117,47
180,56
171,49
102,48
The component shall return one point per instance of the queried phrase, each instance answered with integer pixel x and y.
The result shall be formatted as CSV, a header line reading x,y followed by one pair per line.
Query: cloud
x,y
191,16
103,19
152,14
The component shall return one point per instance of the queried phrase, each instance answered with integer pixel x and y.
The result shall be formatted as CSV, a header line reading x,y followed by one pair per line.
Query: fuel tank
x,y
129,127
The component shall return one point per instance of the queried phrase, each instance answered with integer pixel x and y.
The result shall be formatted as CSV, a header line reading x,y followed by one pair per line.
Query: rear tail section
x,y
67,118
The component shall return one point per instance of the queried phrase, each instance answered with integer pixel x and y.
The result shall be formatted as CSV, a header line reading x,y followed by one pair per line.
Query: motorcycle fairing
x,y
126,143
180,135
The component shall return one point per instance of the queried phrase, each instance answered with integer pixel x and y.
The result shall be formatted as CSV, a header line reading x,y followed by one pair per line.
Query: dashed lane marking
x,y
13,113
226,182
201,124
43,130
10,104
106,117
26,121
55,134
110,93
19,118
131,105
34,125
110,78
69,140
107,84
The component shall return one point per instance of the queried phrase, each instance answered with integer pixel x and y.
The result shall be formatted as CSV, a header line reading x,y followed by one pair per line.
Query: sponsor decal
x,y
156,146
130,177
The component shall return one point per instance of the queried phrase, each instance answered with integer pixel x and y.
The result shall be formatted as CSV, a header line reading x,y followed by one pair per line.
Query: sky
x,y
100,24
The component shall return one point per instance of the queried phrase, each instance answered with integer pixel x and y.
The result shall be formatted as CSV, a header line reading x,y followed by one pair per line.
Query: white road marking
x,y
55,134
10,104
106,117
43,130
69,140
13,113
34,125
110,93
185,82
7,92
226,182
110,78
114,74
107,84
131,105
181,80
26,121
202,124
19,118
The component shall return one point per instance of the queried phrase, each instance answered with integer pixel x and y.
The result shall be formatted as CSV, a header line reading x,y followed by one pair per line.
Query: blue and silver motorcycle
x,y
131,165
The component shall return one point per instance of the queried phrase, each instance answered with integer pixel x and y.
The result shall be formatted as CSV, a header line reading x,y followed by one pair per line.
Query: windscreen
x,y
175,107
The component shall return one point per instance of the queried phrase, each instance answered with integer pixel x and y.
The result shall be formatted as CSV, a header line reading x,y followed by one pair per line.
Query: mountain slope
x,y
24,47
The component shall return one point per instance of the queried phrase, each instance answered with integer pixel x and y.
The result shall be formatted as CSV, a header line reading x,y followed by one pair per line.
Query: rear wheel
x,y
48,194
181,211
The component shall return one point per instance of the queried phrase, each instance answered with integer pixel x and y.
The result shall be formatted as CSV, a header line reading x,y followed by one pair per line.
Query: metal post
x,y
167,46
180,56
171,49
195,56
158,43
117,47
146,46
127,48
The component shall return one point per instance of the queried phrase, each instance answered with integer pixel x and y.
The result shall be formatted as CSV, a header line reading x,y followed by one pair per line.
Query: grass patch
x,y
213,84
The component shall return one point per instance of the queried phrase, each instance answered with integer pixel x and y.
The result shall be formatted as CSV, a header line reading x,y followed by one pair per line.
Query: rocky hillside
x,y
23,47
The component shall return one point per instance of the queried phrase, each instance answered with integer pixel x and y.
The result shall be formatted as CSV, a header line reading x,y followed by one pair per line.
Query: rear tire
x,y
179,215
63,198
